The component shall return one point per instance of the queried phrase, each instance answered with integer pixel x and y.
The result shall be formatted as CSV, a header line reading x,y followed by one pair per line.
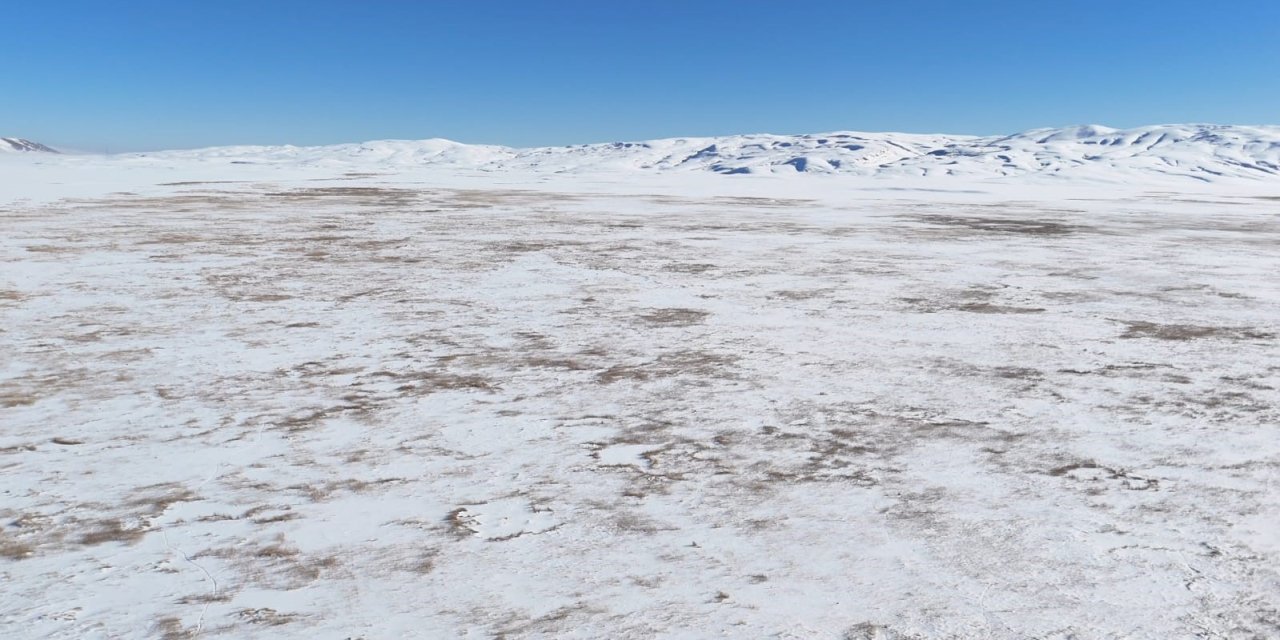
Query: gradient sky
x,y
137,74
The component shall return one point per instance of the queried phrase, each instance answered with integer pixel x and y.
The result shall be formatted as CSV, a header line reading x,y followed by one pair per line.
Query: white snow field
x,y
431,390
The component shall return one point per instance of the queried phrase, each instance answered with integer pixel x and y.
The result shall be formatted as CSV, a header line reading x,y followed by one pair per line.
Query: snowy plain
x,y
430,390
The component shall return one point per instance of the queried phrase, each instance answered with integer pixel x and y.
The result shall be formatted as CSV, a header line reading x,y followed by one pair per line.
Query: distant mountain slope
x,y
1201,152
20,145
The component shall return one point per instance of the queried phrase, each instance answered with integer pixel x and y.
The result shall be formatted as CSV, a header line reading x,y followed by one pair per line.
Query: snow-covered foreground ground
x,y
363,406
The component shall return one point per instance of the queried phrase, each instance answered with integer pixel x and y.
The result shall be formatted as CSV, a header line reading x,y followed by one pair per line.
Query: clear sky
x,y
142,74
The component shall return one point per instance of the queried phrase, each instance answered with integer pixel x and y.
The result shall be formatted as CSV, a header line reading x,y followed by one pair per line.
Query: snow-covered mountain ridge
x,y
20,145
1202,152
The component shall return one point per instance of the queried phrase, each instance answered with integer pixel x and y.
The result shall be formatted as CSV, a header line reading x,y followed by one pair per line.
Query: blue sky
x,y
141,74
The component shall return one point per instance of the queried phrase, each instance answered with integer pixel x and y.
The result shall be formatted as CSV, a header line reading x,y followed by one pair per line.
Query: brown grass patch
x,y
15,398
267,617
1142,329
674,317
111,530
1012,226
171,628
690,267
172,238
986,307
322,491
702,364
425,382
801,294
568,364
1127,480
1017,373
460,523
14,549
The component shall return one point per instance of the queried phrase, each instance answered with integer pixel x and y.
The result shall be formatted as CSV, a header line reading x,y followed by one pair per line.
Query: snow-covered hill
x,y
1202,152
20,145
